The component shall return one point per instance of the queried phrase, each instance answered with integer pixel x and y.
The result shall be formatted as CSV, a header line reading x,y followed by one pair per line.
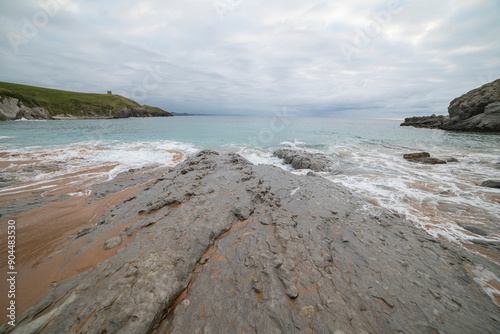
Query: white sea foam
x,y
86,160
260,157
295,144
22,119
487,280
436,198
294,191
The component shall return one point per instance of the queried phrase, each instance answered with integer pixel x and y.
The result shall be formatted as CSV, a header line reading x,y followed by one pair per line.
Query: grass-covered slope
x,y
59,102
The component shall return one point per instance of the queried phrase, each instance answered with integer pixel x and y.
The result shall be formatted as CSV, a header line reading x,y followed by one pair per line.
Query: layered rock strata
x,y
218,245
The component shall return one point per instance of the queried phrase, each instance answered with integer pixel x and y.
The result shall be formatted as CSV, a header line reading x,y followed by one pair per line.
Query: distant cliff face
x,y
21,101
12,108
477,110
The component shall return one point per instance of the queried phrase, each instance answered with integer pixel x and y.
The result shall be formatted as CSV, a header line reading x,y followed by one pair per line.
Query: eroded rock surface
x,y
299,159
12,108
218,245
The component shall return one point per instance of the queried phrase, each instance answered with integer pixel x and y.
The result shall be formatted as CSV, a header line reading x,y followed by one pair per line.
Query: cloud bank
x,y
363,58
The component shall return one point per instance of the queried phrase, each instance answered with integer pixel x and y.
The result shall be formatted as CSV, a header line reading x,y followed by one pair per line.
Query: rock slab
x,y
299,159
224,246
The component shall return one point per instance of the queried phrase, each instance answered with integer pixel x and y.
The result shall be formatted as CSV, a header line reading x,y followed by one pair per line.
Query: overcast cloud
x,y
362,58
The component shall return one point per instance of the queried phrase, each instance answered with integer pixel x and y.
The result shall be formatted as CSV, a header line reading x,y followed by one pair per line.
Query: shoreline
x,y
44,231
234,201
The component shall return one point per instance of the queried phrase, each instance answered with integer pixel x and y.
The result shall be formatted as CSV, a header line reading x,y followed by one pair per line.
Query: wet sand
x,y
43,231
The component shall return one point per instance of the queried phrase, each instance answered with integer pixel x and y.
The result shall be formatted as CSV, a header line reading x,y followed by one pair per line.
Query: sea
x,y
367,158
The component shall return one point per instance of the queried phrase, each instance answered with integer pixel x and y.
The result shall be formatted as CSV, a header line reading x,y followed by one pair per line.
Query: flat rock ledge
x,y
218,245
299,159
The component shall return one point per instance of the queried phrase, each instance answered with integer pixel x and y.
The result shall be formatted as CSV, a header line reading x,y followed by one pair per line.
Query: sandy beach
x,y
49,214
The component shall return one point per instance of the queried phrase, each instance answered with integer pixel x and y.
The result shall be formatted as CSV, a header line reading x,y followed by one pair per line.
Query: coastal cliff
x,y
219,245
21,101
477,110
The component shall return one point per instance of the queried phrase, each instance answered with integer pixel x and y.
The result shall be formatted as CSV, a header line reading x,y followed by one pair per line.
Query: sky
x,y
357,58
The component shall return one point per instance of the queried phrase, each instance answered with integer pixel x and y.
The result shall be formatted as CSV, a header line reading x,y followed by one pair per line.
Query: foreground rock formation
x,y
478,110
218,245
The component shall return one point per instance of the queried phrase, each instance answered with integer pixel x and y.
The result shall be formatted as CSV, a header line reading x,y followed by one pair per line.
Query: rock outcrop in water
x,y
477,110
491,184
218,245
425,158
299,159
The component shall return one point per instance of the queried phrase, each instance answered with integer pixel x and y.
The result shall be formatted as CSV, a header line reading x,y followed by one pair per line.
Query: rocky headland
x,y
219,245
36,103
477,110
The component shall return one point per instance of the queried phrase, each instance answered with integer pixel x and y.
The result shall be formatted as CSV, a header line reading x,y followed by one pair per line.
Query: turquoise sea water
x,y
367,158
223,132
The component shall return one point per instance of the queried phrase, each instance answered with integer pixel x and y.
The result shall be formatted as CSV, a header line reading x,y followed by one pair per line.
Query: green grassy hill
x,y
59,102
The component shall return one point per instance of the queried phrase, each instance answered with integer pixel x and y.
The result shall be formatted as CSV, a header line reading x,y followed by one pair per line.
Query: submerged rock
x,y
475,230
222,246
424,158
477,110
491,184
304,160
429,161
417,155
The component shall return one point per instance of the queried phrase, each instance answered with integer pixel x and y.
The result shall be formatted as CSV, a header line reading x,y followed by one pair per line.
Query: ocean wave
x,y
439,199
22,119
99,160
